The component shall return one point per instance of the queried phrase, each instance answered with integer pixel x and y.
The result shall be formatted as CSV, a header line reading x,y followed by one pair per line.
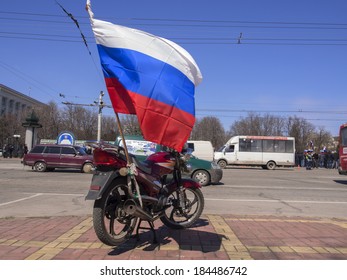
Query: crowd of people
x,y
323,159
9,150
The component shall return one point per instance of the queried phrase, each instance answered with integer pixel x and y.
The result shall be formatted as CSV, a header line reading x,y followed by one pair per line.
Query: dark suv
x,y
48,157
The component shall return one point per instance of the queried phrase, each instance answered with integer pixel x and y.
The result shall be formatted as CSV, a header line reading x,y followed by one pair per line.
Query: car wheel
x,y
222,163
40,166
202,177
271,165
87,168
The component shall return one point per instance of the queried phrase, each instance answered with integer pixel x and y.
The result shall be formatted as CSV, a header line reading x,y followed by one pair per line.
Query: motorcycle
x,y
129,192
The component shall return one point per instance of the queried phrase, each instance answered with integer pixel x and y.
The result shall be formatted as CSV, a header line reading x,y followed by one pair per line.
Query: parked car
x,y
48,157
204,171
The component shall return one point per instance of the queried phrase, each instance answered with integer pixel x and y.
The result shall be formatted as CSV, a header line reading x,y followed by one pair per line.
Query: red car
x,y
48,157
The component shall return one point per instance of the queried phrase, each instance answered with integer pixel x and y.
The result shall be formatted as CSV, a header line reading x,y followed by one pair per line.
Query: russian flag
x,y
151,77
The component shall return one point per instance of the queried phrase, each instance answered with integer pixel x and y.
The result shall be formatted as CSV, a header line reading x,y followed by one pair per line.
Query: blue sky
x,y
291,59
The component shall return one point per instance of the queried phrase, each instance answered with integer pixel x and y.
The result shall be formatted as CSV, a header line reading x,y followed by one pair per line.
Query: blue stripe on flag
x,y
147,76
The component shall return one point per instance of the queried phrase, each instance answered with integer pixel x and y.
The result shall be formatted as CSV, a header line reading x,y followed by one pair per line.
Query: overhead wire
x,y
196,23
27,78
185,20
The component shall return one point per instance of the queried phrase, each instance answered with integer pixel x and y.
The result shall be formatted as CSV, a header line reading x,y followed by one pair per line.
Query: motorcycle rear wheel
x,y
177,218
111,224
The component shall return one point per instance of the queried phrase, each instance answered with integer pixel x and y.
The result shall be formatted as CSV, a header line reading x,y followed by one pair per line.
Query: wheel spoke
x,y
111,229
195,200
111,224
177,217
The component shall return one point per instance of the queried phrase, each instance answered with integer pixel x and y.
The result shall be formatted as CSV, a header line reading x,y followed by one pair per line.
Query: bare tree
x,y
10,125
272,125
88,124
83,123
109,130
255,124
209,129
302,130
79,120
322,138
50,118
130,125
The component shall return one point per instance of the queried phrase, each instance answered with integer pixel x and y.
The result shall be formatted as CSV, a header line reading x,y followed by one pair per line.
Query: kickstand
x,y
151,227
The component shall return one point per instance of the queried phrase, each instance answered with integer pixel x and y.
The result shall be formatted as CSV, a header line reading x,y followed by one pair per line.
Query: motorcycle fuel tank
x,y
161,163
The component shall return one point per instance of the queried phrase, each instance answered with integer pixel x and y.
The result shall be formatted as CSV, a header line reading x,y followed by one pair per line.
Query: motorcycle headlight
x,y
188,168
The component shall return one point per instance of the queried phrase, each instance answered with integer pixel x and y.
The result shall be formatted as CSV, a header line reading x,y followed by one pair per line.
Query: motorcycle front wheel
x,y
178,217
111,224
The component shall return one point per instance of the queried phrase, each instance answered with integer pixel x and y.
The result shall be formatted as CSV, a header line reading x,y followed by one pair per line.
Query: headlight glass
x,y
187,168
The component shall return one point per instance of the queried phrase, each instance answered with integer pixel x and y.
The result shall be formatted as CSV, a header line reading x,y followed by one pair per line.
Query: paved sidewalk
x,y
214,237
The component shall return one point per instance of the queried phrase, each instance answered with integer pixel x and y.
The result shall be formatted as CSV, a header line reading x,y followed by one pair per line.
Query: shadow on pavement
x,y
343,182
190,239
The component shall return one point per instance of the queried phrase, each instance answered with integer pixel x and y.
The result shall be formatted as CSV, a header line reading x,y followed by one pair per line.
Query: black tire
x,y
271,165
177,218
202,177
112,226
222,163
40,166
87,167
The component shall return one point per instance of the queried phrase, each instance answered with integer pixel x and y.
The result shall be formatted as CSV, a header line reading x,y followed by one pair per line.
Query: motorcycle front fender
x,y
186,183
189,183
99,183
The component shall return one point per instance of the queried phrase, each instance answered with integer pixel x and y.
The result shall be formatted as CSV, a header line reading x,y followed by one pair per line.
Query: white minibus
x,y
265,151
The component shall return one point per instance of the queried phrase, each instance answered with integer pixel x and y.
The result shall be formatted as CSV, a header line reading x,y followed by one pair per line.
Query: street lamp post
x,y
101,106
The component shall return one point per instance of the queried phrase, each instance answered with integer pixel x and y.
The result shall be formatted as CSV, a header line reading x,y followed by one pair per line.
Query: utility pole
x,y
101,106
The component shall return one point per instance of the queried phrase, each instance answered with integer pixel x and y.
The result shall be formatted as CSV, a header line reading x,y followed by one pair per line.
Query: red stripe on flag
x,y
160,123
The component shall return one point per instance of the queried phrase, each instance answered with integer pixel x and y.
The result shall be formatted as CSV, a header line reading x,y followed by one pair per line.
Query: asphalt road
x,y
249,191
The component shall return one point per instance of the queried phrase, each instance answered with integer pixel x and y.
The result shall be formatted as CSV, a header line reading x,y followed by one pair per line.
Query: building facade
x,y
13,102
15,108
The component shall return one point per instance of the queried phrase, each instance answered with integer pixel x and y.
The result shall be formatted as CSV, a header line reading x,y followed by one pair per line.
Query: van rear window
x,y
37,150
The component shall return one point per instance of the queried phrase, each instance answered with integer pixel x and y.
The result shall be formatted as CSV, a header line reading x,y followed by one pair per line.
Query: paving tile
x,y
214,237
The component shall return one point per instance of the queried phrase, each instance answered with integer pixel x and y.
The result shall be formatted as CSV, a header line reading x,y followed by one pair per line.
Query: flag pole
x,y
129,161
131,166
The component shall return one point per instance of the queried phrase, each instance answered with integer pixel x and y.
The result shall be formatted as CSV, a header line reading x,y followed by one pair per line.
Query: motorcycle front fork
x,y
181,198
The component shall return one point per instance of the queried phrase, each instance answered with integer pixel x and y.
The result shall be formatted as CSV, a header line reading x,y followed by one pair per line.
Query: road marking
x,y
21,199
277,201
63,194
39,194
279,188
206,199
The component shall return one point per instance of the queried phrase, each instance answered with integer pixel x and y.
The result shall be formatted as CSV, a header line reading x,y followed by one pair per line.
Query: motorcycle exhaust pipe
x,y
131,208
